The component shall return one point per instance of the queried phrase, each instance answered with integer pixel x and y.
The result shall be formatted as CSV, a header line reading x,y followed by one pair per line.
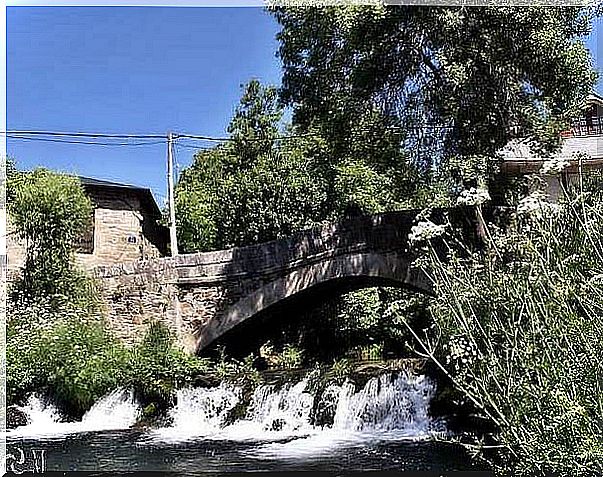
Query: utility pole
x,y
171,205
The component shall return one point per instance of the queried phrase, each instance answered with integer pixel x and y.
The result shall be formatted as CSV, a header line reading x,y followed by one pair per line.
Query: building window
x,y
590,124
85,242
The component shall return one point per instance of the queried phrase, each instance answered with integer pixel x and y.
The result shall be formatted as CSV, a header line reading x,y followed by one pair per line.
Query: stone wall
x,y
136,293
123,232
201,296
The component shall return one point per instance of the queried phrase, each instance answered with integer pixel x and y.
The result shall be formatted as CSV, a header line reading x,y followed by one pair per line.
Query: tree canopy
x,y
456,81
259,186
250,189
392,106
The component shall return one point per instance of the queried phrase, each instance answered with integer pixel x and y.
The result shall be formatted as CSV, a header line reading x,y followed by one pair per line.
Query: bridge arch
x,y
202,296
370,268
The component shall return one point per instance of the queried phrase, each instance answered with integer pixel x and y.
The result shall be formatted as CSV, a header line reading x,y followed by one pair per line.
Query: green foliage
x,y
290,358
340,370
487,74
249,190
256,123
49,211
360,311
361,187
519,331
72,356
255,189
157,366
420,99
372,352
65,351
371,321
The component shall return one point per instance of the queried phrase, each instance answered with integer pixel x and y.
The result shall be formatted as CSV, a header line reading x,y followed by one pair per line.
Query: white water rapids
x,y
286,421
387,408
116,410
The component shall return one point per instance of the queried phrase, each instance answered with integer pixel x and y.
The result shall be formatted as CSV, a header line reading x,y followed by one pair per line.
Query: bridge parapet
x,y
383,232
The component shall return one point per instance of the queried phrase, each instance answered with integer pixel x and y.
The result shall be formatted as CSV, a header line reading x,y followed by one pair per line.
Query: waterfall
x,y
388,406
275,412
386,403
40,412
293,418
200,412
116,410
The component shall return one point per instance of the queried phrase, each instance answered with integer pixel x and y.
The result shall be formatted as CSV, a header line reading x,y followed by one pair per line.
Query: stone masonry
x,y
123,229
204,295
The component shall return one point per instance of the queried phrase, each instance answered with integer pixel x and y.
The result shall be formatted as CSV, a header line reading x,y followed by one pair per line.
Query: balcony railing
x,y
592,126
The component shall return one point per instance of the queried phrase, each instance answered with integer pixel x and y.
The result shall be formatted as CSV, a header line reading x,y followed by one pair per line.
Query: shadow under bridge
x,y
221,290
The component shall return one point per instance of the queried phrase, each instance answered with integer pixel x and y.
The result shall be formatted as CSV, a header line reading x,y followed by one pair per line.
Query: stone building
x,y
123,228
582,148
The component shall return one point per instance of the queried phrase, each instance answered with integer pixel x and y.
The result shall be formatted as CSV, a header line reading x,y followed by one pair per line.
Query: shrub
x,y
49,211
66,352
290,358
518,329
157,366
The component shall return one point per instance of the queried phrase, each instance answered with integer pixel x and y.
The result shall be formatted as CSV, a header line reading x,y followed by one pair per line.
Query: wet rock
x,y
15,417
278,425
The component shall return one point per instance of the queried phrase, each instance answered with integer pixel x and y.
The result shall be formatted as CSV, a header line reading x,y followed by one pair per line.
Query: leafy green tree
x,y
257,187
452,81
49,211
255,125
251,189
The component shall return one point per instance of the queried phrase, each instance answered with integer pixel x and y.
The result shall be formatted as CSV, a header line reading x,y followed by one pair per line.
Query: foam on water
x,y
116,410
283,419
275,414
387,407
199,412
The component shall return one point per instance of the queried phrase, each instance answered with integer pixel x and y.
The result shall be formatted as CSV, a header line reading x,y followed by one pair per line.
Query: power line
x,y
96,135
83,134
187,146
93,143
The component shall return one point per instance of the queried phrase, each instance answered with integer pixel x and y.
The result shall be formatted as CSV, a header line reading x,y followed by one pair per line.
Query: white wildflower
x,y
535,205
554,166
425,230
473,196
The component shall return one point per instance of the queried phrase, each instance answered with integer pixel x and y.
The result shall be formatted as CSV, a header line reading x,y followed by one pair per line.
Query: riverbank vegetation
x,y
57,340
518,329
392,108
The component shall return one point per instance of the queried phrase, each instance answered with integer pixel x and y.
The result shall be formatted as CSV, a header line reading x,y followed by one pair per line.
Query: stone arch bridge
x,y
204,295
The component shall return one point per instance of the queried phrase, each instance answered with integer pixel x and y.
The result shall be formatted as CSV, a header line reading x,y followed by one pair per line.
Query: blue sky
x,y
135,70
129,70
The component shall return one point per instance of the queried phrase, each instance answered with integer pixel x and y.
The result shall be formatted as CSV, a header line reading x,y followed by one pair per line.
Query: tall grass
x,y
518,327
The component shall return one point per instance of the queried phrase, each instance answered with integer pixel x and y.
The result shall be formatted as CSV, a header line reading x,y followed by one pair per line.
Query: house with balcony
x,y
582,147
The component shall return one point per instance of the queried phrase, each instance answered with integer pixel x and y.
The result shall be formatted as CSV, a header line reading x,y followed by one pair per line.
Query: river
x,y
384,425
